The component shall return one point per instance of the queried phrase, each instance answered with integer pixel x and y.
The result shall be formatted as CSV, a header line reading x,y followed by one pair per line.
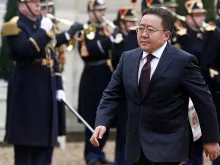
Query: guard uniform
x,y
125,15
95,51
210,64
33,119
191,40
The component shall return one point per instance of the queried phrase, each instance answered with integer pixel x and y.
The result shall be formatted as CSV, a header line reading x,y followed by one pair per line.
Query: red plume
x,y
149,2
122,12
133,1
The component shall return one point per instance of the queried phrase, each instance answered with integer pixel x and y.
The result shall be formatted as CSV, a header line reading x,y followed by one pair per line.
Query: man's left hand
x,y
60,95
212,150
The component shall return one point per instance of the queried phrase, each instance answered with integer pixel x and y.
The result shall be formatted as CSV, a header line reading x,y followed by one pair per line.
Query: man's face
x,y
218,10
45,11
129,24
35,7
196,19
156,35
171,9
99,14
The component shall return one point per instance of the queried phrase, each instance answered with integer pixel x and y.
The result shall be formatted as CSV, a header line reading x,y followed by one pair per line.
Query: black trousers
x,y
144,161
29,155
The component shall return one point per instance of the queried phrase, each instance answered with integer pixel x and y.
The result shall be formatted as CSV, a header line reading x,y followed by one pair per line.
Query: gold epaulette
x,y
210,27
213,73
11,28
90,31
181,30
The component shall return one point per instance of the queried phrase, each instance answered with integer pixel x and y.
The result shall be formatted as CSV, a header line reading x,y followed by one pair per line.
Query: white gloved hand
x,y
46,24
60,95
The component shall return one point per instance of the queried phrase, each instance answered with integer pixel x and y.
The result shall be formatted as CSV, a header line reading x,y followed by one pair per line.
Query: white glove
x,y
112,39
46,24
60,95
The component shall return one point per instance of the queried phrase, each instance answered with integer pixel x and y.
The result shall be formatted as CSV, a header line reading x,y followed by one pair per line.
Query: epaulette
x,y
11,28
210,27
90,31
181,30
213,73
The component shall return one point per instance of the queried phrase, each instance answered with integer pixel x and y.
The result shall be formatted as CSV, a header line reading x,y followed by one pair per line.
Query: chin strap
x,y
195,22
96,17
29,9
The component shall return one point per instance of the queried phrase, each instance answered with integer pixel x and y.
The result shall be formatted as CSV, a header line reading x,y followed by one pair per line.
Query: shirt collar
x,y
157,53
28,21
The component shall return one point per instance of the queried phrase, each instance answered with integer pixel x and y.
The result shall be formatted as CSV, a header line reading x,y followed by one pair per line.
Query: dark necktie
x,y
145,76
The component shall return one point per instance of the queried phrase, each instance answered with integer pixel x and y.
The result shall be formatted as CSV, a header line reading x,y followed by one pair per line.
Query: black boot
x,y
105,161
94,162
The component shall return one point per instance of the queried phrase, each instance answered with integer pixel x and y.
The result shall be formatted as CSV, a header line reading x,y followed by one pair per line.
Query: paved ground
x,y
72,155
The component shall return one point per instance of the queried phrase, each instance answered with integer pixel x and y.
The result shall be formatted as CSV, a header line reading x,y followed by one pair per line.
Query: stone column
x,y
3,84
3,96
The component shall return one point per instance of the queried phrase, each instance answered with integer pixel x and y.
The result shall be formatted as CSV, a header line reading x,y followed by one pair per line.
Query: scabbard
x,y
78,116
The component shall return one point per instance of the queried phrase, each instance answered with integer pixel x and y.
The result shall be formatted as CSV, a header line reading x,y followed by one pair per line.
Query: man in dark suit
x,y
156,80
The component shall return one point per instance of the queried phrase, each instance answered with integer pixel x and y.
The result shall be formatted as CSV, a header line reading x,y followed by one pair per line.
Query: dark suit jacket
x,y
159,122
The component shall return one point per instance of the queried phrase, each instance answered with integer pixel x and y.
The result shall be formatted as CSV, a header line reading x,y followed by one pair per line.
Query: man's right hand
x,y
212,150
98,134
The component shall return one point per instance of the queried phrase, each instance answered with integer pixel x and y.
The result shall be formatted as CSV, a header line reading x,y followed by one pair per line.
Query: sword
x,y
78,115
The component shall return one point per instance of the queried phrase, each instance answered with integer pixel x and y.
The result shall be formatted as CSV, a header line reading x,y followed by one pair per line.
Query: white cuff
x,y
60,95
112,38
67,36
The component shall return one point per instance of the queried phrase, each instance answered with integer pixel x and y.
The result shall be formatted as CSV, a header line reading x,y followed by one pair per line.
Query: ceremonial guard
x,y
190,38
35,86
126,19
170,5
218,12
95,51
210,64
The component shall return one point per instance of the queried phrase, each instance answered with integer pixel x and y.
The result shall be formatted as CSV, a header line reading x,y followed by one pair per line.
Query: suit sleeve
x,y
111,98
198,91
28,46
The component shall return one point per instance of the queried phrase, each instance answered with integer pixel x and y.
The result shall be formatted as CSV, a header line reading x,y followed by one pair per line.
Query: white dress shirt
x,y
154,62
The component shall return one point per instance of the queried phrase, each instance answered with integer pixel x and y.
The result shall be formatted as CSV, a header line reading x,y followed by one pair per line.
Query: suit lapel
x,y
138,56
164,63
